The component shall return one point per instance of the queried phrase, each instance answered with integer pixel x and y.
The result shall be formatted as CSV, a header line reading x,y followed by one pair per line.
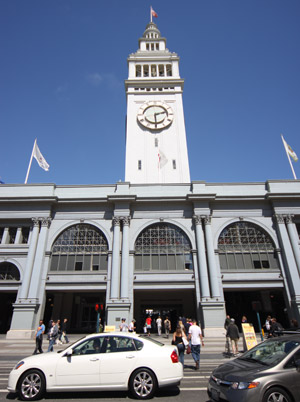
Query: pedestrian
x,y
53,334
64,337
124,325
195,336
131,326
227,321
267,326
159,325
233,334
59,335
276,328
178,340
167,326
39,338
148,324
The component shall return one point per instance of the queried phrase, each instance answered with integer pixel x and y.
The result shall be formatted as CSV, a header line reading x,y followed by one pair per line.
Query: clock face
x,y
155,115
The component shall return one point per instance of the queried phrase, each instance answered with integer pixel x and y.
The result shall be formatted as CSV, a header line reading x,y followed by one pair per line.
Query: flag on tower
x,y
39,157
289,150
153,13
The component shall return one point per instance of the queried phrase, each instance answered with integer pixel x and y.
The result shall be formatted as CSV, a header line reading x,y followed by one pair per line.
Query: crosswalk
x,y
193,380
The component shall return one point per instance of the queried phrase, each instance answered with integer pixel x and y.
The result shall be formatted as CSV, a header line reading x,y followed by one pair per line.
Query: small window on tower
x,y
139,165
169,70
157,46
174,164
153,70
156,142
146,71
147,46
152,46
138,71
161,70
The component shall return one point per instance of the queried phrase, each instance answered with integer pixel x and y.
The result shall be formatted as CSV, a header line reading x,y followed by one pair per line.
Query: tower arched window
x,y
246,246
81,247
9,272
161,247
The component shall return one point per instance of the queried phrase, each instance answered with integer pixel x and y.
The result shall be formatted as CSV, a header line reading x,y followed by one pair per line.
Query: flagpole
x,y
151,14
288,156
30,162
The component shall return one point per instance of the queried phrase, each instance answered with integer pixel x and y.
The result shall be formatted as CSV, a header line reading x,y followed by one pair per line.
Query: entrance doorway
x,y
6,311
172,303
272,303
78,308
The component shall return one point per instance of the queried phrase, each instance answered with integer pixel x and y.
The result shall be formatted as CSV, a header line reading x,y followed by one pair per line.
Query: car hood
x,y
238,369
42,357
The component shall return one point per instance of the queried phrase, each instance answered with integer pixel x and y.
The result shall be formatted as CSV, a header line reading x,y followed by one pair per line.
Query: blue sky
x,y
63,66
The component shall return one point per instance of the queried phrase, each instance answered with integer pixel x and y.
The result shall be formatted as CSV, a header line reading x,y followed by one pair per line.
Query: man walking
x,y
53,334
39,338
233,334
167,325
159,325
195,336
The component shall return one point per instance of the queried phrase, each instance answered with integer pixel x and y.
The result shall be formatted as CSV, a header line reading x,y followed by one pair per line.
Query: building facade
x,y
156,244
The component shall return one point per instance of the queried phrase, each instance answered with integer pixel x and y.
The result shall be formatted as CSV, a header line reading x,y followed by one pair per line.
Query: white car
x,y
99,362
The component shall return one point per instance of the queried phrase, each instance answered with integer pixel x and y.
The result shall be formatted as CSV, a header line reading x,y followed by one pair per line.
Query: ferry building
x,y
156,243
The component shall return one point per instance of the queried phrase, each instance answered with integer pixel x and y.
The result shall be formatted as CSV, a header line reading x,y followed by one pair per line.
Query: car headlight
x,y
244,385
18,365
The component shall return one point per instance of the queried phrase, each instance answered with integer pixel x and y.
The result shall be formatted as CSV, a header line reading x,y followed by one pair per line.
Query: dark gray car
x,y
269,372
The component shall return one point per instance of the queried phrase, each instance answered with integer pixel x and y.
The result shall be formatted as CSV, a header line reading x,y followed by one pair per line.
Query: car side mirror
x,y
69,352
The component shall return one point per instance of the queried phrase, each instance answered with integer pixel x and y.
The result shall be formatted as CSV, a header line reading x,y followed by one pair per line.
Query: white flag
x,y
39,158
162,159
289,150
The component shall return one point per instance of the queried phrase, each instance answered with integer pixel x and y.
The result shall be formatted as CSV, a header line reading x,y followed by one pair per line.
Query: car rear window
x,y
152,340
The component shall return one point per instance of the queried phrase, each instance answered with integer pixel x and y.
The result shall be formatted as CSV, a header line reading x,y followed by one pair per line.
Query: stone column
x,y
289,265
293,239
212,268
30,259
115,270
203,275
125,259
39,259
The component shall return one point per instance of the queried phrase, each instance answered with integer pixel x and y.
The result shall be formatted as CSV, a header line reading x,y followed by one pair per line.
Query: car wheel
x,y
143,384
276,395
31,385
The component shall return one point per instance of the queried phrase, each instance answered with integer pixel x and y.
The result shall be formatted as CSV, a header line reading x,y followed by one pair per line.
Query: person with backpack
x,y
167,325
276,328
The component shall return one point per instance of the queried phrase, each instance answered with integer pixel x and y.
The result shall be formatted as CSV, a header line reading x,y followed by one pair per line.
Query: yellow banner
x,y
109,328
249,335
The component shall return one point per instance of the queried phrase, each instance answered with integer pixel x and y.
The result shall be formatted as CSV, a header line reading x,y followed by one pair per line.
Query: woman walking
x,y
178,340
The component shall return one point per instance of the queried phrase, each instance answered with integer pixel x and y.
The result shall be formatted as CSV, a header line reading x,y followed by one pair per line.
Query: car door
x,y
119,361
291,376
82,368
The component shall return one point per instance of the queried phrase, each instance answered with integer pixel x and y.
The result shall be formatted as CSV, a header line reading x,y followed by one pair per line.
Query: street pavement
x,y
192,386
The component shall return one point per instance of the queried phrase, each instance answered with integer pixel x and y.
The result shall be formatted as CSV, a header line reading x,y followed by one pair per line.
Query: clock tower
x,y
156,149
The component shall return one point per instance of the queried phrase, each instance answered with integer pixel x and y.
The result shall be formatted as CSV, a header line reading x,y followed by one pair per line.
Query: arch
x,y
163,246
244,245
80,247
9,272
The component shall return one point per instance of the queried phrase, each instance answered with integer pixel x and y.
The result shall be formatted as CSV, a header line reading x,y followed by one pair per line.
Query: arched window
x,y
81,247
246,246
163,246
9,272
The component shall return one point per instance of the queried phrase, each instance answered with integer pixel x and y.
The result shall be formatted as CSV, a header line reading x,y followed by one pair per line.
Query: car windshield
x,y
270,352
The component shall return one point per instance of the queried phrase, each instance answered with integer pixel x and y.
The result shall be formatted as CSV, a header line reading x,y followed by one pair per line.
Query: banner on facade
x,y
249,335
